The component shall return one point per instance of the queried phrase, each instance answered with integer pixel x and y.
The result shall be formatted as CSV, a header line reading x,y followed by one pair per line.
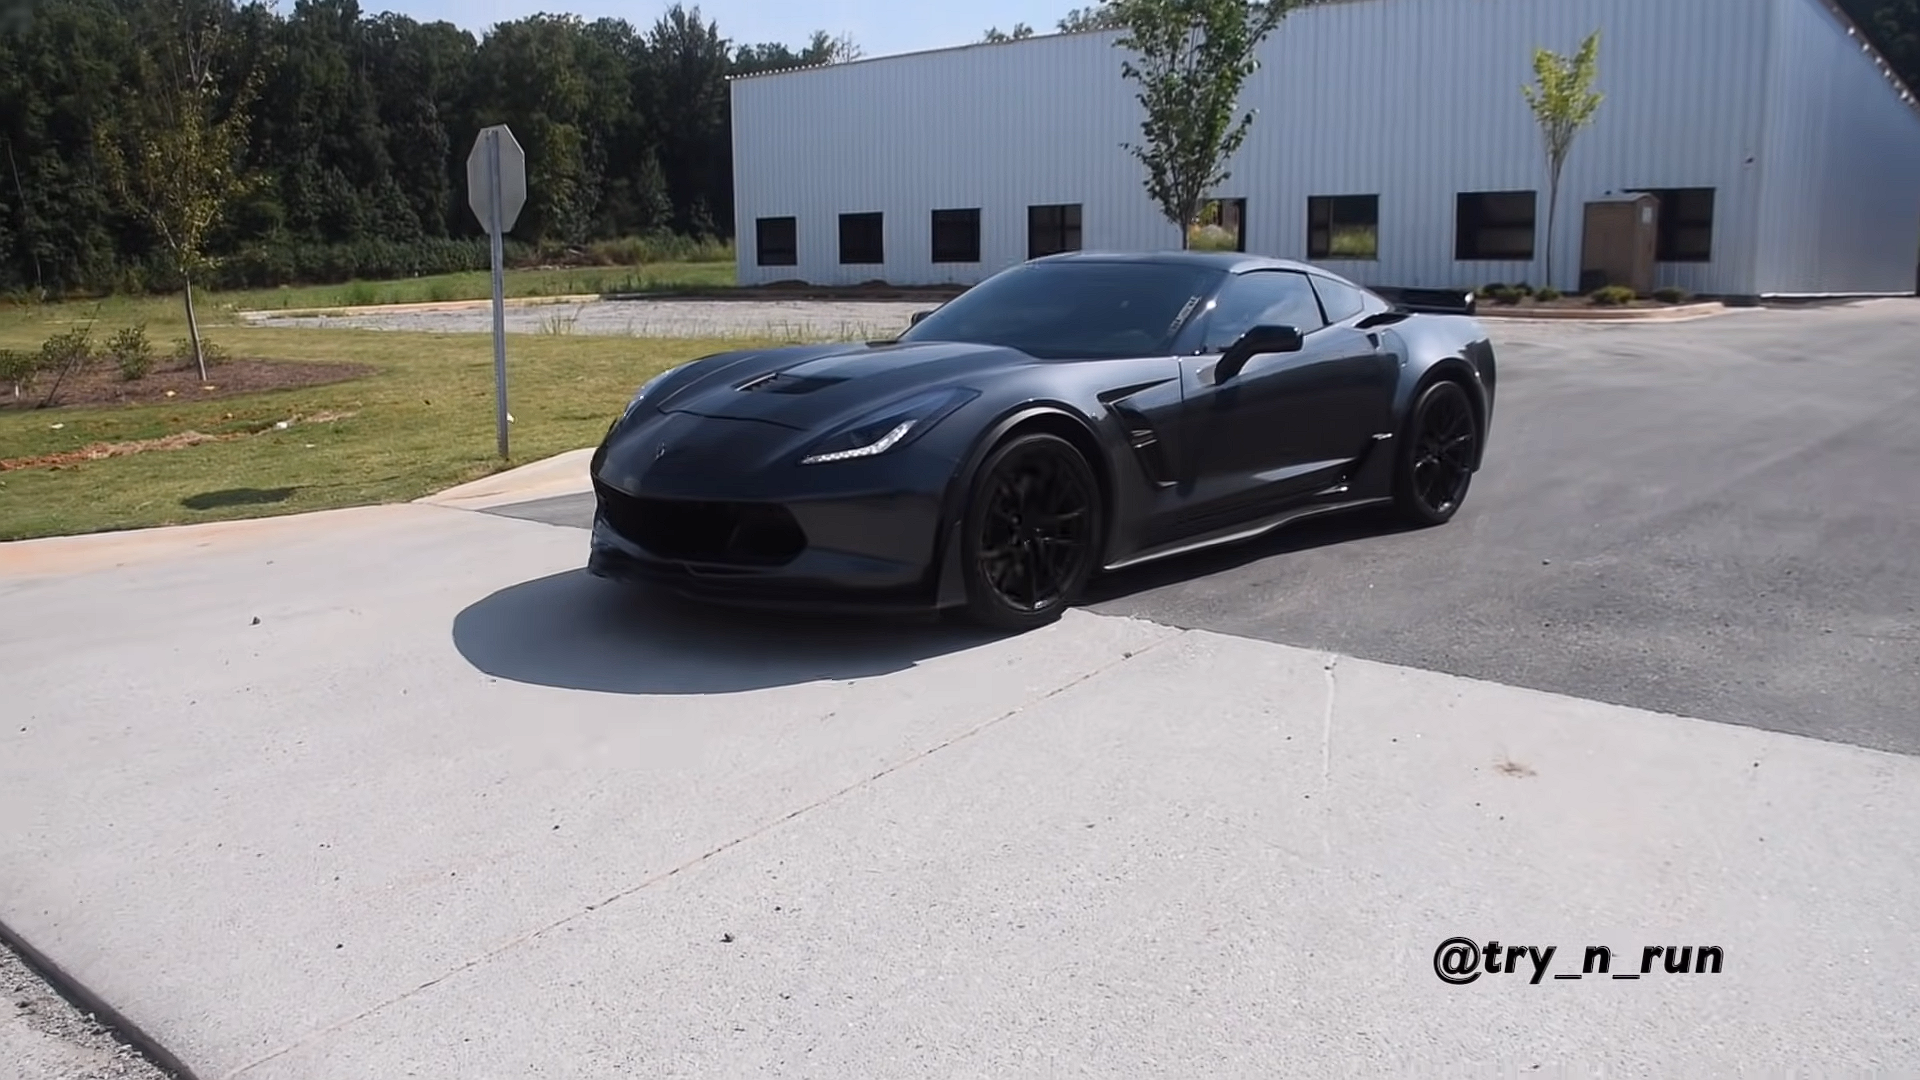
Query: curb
x,y
91,1004
765,295
1675,313
426,306
552,477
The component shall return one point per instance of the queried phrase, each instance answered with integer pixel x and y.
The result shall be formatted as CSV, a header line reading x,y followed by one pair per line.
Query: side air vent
x,y
1145,443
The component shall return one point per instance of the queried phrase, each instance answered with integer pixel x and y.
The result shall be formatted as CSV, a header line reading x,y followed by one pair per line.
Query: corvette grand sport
x,y
1071,415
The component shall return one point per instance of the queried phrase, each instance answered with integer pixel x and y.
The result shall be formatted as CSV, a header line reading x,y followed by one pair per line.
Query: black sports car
x,y
1073,414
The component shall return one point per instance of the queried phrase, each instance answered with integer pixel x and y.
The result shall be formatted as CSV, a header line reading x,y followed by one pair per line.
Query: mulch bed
x,y
100,384
1578,303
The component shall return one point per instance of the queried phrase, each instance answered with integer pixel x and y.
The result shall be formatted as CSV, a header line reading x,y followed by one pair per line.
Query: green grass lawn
x,y
424,422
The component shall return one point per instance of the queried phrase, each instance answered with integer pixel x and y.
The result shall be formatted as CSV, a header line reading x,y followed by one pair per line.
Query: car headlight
x,y
885,429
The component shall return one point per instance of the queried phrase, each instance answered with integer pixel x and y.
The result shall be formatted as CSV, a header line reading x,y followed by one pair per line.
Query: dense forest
x,y
326,143
348,135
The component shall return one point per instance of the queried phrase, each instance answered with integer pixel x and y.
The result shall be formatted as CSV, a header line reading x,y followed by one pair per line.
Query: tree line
x,y
325,143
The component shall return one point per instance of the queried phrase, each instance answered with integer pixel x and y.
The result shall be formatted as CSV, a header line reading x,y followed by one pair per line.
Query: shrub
x,y
1548,294
131,352
1505,294
1523,289
657,247
1670,295
1487,292
182,354
358,294
17,370
71,350
1612,296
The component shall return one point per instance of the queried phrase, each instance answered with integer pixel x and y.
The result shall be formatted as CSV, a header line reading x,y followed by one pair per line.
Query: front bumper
x,y
722,522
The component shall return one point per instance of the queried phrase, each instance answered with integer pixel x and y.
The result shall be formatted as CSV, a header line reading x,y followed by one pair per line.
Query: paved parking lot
x,y
1718,518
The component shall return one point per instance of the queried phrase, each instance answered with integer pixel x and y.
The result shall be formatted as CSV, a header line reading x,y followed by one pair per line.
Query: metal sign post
x,y
496,190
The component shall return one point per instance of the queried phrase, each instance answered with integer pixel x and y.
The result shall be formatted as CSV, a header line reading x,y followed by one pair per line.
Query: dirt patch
x,y
42,1035
180,441
100,384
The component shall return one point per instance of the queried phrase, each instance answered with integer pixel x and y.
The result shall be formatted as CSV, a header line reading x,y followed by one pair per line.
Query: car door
x,y
1287,424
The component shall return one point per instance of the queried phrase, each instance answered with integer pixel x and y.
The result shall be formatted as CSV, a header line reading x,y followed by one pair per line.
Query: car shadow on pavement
x,y
575,631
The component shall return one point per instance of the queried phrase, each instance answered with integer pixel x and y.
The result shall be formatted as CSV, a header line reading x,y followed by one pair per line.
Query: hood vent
x,y
781,382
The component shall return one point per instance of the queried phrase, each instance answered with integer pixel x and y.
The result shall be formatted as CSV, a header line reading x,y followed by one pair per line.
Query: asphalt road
x,y
1717,519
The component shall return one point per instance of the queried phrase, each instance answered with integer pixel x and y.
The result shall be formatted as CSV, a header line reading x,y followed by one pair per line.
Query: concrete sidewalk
x,y
450,808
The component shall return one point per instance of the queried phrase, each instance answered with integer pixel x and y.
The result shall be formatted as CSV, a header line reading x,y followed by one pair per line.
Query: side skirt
x,y
1243,532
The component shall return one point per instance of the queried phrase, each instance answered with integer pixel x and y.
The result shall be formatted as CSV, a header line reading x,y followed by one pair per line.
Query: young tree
x,y
994,35
173,155
1191,58
1563,102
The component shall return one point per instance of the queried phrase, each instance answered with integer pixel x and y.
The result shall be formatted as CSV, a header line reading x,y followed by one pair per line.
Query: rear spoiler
x,y
1431,301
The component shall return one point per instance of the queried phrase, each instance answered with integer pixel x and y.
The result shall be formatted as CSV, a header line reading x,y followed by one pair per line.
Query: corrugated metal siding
x,y
1841,206
1413,100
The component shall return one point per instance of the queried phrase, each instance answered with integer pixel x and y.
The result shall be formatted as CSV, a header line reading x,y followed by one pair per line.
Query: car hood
x,y
805,388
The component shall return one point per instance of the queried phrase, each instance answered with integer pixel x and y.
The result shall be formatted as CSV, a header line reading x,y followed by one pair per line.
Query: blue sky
x,y
878,26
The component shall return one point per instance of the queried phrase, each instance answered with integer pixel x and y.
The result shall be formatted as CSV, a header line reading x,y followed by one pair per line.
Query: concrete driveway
x,y
400,792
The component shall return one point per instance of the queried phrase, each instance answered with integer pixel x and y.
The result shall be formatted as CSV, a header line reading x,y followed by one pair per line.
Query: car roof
x,y
1230,261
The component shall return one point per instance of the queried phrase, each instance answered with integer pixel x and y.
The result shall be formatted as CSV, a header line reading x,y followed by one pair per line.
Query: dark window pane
x,y
1074,310
1052,229
1222,226
1343,227
1686,224
776,241
1493,225
1261,298
860,239
956,236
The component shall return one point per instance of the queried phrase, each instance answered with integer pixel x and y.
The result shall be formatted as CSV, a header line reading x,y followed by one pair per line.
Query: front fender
x,y
951,587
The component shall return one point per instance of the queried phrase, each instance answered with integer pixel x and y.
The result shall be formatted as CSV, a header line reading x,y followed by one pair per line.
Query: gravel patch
x,y
42,1037
795,320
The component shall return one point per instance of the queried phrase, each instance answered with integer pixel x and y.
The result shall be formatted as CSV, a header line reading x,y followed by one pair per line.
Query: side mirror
x,y
1258,341
917,316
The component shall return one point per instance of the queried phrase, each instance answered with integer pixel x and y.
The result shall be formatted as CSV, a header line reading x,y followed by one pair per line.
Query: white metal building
x,y
1392,144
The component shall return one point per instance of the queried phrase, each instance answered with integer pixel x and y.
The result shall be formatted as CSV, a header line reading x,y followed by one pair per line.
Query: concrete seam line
x,y
751,834
80,997
1326,754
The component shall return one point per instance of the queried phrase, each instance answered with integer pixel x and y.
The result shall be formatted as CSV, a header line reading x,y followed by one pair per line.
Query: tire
x,y
1436,460
1030,537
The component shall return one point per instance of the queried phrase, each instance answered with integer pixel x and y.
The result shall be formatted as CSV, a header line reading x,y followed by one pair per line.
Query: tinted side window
x,y
1340,300
1262,297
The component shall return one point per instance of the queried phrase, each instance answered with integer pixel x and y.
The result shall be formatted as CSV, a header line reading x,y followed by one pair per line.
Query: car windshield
x,y
1074,310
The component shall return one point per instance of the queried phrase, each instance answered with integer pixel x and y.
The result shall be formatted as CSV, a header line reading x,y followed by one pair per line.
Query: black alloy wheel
x,y
1031,533
1437,459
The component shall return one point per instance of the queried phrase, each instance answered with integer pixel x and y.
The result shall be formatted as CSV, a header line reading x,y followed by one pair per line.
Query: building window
x,y
1052,229
1222,226
777,241
1493,225
1343,227
956,236
1686,224
860,241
